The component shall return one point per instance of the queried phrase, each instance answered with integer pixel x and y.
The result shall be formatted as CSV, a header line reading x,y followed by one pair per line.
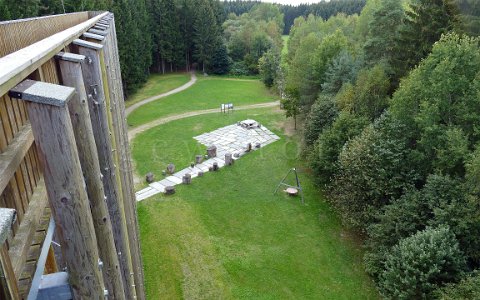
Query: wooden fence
x,y
64,154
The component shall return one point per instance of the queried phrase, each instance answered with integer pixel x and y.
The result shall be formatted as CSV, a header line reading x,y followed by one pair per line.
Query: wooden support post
x,y
55,141
100,116
71,74
113,77
8,281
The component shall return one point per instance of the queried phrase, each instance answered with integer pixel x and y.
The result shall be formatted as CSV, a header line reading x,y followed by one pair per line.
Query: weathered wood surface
x,y
169,190
98,32
228,159
212,151
23,238
113,77
127,175
8,282
68,198
100,116
14,154
71,73
17,34
187,178
18,65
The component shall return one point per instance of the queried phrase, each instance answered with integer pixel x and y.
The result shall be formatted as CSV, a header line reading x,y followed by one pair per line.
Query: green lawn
x,y
158,84
206,93
227,236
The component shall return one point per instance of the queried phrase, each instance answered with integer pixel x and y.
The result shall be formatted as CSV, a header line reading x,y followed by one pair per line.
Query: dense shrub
x,y
373,168
398,220
419,263
467,289
321,116
239,69
325,153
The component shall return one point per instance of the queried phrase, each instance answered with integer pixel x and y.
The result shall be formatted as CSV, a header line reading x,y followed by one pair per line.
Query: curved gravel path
x,y
192,81
134,131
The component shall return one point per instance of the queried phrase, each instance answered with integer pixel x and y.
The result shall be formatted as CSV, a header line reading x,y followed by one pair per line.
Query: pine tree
x,y
382,32
425,22
185,11
220,61
205,33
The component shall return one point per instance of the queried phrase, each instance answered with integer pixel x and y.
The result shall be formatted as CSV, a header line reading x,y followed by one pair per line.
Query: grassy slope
x,y
227,236
206,93
158,84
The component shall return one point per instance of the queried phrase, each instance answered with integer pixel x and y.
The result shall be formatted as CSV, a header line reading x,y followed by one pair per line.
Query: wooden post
x,y
212,151
53,132
113,77
228,159
71,73
8,281
187,178
100,116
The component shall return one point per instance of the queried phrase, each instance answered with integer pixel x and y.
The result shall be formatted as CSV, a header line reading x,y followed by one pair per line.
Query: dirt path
x,y
134,131
192,81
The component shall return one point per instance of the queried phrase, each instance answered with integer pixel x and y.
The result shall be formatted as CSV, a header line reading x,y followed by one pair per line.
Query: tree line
x,y
170,35
389,104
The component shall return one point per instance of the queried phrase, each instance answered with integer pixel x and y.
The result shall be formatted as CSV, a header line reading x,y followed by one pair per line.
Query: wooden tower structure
x,y
68,222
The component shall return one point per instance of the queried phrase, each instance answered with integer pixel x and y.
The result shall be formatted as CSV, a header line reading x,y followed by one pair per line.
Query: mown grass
x,y
158,84
227,236
206,93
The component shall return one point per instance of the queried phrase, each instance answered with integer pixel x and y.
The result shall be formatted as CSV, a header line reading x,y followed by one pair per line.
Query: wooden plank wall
x,y
15,35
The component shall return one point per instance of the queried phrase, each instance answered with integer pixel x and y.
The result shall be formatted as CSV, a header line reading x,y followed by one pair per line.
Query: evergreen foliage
x,y
322,115
383,31
468,288
419,263
425,22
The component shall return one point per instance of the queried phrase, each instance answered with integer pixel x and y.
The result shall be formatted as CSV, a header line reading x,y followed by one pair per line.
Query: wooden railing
x,y
27,51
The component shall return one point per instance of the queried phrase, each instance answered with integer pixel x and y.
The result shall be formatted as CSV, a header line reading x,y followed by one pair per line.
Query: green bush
x,y
329,145
398,220
420,263
372,169
467,289
239,68
321,116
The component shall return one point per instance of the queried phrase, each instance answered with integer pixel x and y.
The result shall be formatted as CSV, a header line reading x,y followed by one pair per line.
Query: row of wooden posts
x,y
81,133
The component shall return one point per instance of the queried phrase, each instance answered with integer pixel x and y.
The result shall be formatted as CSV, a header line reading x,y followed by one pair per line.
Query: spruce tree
x,y
425,22
205,33
382,32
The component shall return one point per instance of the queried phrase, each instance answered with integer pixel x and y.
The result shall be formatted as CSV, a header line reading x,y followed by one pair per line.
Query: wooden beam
x,y
11,158
93,36
99,32
119,127
71,73
53,132
101,118
8,281
23,238
18,65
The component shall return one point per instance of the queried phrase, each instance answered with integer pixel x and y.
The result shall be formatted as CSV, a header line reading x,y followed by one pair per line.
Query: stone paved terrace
x,y
232,139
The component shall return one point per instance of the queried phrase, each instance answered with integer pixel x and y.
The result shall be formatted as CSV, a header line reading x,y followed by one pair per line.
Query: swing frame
x,y
298,186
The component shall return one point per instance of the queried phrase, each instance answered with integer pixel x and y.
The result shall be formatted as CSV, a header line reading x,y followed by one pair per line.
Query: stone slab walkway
x,y
232,139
